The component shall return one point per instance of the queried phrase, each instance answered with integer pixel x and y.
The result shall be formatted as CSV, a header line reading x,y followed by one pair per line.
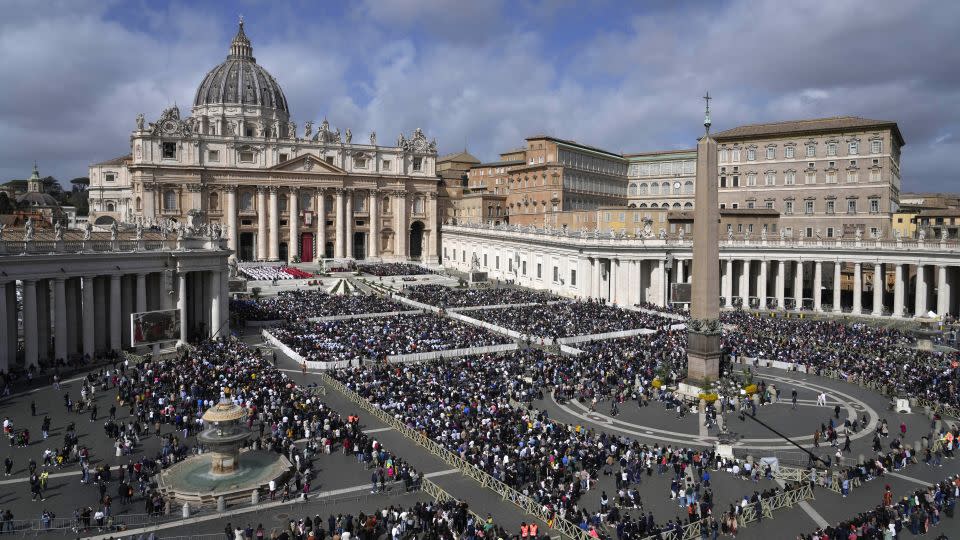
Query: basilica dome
x,y
239,80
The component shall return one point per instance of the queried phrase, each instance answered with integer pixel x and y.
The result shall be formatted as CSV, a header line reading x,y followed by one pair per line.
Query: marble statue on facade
x,y
113,231
680,233
348,136
944,234
858,234
57,231
763,233
28,230
819,235
232,263
729,234
783,234
87,231
663,233
140,122
373,138
922,234
307,129
292,130
138,235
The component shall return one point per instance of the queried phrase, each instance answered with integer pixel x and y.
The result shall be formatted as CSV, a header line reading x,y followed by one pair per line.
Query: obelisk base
x,y
703,357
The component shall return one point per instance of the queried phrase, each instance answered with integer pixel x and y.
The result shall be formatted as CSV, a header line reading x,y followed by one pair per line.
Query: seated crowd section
x,y
447,297
304,304
378,337
272,273
393,269
570,318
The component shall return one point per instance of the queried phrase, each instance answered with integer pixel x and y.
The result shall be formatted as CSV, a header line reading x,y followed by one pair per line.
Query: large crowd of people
x,y
570,318
378,337
272,273
393,269
919,512
447,297
858,351
304,304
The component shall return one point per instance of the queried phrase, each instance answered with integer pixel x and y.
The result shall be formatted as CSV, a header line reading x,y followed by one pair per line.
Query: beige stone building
x,y
828,175
280,195
663,179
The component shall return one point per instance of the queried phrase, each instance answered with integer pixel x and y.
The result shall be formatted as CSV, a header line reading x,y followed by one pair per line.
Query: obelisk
x,y
703,328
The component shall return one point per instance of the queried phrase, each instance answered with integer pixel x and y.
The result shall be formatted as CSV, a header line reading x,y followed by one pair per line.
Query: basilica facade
x,y
279,194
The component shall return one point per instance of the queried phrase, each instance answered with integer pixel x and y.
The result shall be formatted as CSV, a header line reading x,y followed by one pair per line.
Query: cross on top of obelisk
x,y
706,119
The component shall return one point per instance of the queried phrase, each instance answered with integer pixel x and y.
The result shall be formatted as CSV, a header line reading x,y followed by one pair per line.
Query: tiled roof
x,y
816,125
661,153
505,163
460,156
575,143
115,161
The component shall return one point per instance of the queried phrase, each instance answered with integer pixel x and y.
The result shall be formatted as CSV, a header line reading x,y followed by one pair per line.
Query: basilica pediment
x,y
307,163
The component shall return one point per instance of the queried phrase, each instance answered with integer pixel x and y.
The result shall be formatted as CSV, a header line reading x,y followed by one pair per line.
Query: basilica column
x,y
781,285
661,282
293,204
728,284
274,248
433,242
182,305
321,225
798,286
943,292
678,274
89,332
597,271
115,313
232,239
400,232
30,337
878,289
614,276
837,308
745,284
762,284
857,288
59,318
261,223
149,202
348,226
818,286
339,243
224,324
373,242
898,290
920,295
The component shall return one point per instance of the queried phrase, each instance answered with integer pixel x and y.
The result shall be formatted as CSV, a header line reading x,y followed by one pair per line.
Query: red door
x,y
306,247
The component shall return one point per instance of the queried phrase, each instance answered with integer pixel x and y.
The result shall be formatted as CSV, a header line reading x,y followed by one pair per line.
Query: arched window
x,y
665,188
418,205
110,207
633,189
643,205
676,205
688,187
214,201
385,205
688,205
359,202
653,205
138,203
654,189
643,189
328,203
169,200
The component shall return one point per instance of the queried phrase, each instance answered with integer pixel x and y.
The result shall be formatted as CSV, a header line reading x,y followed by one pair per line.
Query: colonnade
x,y
89,314
388,227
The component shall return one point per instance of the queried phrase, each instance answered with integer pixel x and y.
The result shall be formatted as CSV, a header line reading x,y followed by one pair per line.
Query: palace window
x,y
573,278
811,150
418,205
246,157
213,155
831,149
328,159
282,157
808,207
169,200
852,206
360,162
876,147
246,201
788,152
790,178
214,202
109,177
830,207
169,150
418,163
385,165
770,179
788,207
751,154
771,153
853,148
874,206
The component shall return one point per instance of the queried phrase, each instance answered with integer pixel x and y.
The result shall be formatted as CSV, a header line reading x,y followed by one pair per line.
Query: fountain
x,y
223,470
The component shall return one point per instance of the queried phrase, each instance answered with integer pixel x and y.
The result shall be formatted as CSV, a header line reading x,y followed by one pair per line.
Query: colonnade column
x,y
274,248
433,241
898,290
659,277
728,284
745,284
614,276
140,304
115,313
182,304
213,288
798,286
837,308
43,319
597,271
321,224
678,274
30,335
762,285
857,288
261,223
224,323
149,203
781,284
920,294
943,295
60,318
293,204
338,243
348,225
373,240
232,240
5,338
877,289
89,332
818,286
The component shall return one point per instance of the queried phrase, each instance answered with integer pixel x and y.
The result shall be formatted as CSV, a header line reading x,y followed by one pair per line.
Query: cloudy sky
x,y
626,76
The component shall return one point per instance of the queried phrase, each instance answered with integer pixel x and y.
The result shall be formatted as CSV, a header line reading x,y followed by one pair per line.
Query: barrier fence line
x,y
450,353
525,503
501,306
365,315
419,305
749,514
296,357
490,326
605,335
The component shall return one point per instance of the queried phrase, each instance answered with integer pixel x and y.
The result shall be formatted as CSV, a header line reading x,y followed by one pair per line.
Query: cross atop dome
x,y
240,46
